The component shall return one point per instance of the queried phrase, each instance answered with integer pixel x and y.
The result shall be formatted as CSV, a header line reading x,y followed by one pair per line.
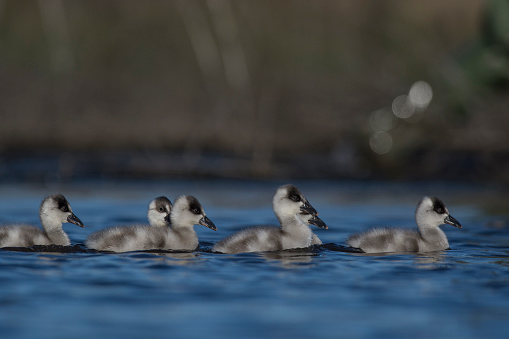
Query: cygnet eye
x,y
295,198
438,205
195,210
161,209
64,208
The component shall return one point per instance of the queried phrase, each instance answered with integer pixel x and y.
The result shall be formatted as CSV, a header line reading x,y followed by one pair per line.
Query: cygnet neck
x,y
53,228
58,237
429,232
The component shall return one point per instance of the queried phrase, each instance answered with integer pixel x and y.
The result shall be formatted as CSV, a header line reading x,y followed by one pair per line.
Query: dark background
x,y
254,89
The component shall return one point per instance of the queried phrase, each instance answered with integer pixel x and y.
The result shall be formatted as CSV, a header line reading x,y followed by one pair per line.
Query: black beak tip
x,y
167,219
308,209
208,223
75,220
452,221
318,222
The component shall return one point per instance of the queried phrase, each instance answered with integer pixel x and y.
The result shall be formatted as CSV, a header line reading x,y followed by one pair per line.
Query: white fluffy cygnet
x,y
54,211
159,211
294,213
185,213
429,215
311,219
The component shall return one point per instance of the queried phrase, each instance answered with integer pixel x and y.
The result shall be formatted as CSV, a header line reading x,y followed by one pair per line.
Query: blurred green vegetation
x,y
261,82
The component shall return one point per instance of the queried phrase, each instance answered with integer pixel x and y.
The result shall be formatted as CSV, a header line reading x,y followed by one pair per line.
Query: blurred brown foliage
x,y
260,80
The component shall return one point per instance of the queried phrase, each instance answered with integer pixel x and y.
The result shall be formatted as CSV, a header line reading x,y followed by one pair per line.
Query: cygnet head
x,y
187,211
288,201
159,212
431,212
56,210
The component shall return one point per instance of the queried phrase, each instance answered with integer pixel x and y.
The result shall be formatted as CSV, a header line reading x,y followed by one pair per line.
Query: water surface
x,y
325,291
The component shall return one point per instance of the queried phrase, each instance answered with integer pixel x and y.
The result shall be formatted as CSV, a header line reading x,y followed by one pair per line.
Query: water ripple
x,y
324,291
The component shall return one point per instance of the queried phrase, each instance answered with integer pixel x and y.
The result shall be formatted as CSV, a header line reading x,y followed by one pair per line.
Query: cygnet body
x,y
293,212
159,211
54,211
429,215
185,213
310,219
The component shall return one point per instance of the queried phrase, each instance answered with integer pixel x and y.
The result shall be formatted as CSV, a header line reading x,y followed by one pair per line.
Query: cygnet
x,y
159,211
185,213
293,212
54,211
429,215
311,219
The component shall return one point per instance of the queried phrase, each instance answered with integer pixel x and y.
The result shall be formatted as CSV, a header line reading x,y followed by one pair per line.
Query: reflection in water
x,y
430,260
289,258
180,259
167,258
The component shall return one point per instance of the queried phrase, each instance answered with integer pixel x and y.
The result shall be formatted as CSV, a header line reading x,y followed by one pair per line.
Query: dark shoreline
x,y
68,166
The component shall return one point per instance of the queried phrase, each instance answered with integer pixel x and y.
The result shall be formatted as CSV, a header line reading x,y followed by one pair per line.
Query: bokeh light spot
x,y
382,120
420,94
381,142
402,107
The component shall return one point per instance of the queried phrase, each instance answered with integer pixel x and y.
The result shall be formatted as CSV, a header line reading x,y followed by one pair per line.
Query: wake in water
x,y
205,247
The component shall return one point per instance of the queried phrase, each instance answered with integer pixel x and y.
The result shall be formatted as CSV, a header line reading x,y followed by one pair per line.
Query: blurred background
x,y
357,89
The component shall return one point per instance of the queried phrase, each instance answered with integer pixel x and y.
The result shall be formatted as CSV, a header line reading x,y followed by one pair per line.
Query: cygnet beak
x,y
308,209
168,219
205,221
451,221
75,220
317,222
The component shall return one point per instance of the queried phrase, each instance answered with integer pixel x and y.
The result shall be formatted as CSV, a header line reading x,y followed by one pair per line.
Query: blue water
x,y
320,292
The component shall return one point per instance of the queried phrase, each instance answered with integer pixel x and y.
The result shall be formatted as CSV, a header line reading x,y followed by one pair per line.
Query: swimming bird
x,y
429,215
159,212
185,213
311,219
54,211
293,212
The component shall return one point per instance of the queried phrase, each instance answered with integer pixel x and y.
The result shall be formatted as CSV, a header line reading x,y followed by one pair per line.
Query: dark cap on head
x,y
194,205
438,205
